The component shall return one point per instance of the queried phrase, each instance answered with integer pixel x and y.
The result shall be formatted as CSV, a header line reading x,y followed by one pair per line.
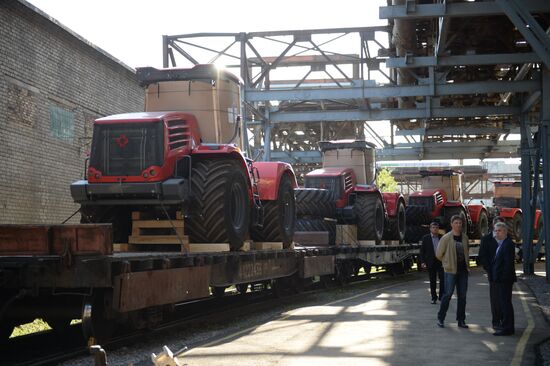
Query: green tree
x,y
385,181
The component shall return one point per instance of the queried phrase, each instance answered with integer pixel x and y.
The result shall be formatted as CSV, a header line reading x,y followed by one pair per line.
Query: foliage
x,y
385,181
37,325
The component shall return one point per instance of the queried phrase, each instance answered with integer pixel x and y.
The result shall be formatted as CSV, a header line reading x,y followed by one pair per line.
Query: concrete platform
x,y
389,325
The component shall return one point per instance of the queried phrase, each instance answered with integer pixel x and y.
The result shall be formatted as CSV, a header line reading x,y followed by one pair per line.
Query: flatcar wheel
x,y
341,276
6,329
396,268
327,281
59,325
242,288
281,287
96,326
297,284
218,291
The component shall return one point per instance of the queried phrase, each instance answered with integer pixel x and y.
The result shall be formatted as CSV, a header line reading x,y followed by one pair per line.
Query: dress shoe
x,y
503,333
462,325
440,323
434,301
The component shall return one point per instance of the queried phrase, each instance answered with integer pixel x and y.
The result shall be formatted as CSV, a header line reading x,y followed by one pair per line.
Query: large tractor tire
x,y
418,215
514,226
450,212
6,329
481,227
318,225
414,234
369,211
396,227
220,204
279,216
314,202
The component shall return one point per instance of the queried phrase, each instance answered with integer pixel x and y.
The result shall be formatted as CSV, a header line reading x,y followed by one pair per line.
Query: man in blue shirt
x,y
427,256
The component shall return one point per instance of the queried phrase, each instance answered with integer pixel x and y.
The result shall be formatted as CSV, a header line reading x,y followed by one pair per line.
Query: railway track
x,y
49,348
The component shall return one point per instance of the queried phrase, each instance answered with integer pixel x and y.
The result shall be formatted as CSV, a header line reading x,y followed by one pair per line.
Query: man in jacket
x,y
486,255
503,273
453,251
427,256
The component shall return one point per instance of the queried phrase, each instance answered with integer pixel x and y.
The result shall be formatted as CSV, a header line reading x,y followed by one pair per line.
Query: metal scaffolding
x,y
454,79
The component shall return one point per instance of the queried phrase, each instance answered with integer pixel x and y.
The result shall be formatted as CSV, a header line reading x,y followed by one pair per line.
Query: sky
x,y
131,30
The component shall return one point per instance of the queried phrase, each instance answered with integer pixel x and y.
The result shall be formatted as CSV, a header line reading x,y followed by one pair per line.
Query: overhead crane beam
x,y
395,113
466,9
445,131
358,92
462,60
439,151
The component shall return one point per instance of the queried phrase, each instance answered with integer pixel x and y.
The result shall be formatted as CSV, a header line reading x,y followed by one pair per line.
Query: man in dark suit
x,y
486,255
503,273
428,259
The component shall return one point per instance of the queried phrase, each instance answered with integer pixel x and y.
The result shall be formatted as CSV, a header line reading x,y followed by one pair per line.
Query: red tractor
x,y
183,154
507,205
345,190
439,200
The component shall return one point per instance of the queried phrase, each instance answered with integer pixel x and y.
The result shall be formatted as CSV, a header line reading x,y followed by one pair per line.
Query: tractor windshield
x,y
332,184
126,149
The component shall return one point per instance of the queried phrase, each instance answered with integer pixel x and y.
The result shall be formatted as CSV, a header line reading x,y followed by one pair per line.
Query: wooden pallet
x,y
264,245
150,232
209,247
346,234
366,243
318,238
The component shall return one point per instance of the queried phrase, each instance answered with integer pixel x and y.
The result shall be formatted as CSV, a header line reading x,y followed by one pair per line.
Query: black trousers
x,y
433,272
495,305
504,293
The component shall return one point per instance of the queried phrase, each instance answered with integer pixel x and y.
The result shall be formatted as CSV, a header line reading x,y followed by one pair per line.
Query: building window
x,y
61,123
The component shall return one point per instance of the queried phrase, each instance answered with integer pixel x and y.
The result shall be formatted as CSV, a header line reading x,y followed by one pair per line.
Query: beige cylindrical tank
x,y
215,102
358,155
450,184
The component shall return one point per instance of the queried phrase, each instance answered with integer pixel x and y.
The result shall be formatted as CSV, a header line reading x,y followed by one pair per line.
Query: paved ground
x,y
388,325
541,289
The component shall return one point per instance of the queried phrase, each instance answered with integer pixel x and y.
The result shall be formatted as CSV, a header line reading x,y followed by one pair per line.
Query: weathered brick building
x,y
53,84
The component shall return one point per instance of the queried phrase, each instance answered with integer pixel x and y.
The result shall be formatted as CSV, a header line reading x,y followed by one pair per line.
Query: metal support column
x,y
526,195
267,137
544,138
165,51
244,108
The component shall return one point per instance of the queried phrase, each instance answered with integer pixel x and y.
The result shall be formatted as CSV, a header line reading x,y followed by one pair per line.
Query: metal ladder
x,y
257,208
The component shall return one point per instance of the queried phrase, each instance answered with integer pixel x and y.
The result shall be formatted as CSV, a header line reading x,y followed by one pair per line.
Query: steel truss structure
x,y
454,78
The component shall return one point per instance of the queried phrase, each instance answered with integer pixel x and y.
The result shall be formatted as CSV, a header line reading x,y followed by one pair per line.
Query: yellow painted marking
x,y
288,315
520,348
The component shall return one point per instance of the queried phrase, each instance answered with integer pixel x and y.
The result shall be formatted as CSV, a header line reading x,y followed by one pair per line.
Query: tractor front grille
x,y
126,149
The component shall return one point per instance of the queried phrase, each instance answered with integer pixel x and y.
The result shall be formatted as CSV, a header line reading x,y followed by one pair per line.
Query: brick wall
x,y
52,86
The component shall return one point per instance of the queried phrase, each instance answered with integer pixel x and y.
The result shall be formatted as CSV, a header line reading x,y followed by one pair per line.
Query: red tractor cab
x,y
183,154
507,203
348,175
440,199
